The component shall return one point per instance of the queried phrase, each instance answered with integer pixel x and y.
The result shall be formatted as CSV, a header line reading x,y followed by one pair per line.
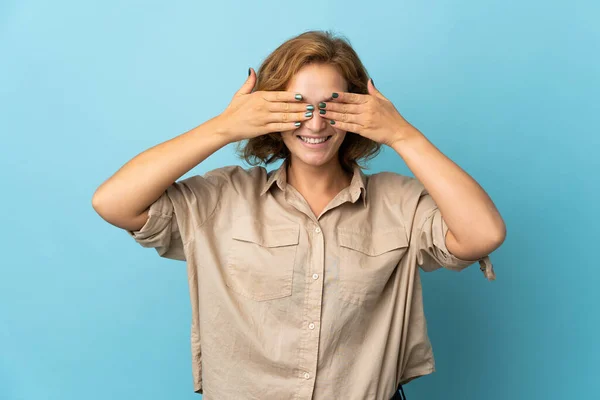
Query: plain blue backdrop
x,y
507,89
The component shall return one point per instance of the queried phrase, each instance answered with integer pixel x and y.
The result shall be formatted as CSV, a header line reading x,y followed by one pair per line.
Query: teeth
x,y
312,140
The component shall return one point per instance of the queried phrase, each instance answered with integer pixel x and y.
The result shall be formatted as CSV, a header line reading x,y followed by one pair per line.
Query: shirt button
x,y
306,375
315,276
318,230
311,326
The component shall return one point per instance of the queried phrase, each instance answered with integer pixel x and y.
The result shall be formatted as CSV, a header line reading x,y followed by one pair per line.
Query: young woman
x,y
303,280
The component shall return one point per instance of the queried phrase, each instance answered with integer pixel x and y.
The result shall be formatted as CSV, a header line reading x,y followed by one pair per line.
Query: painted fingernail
x,y
322,112
373,82
335,95
297,124
310,107
298,97
322,105
332,122
308,114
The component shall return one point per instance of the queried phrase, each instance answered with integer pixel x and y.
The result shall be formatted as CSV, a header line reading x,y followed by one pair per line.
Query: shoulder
x,y
237,172
400,194
237,177
394,185
230,175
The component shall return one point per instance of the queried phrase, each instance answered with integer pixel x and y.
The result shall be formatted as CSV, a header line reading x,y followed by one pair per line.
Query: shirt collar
x,y
357,184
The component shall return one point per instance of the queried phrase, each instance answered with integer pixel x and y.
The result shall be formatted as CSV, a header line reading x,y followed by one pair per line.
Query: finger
x,y
281,96
346,97
282,126
340,107
373,90
342,117
289,107
249,84
346,126
290,117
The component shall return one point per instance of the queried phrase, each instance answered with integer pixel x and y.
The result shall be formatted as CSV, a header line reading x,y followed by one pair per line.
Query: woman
x,y
303,280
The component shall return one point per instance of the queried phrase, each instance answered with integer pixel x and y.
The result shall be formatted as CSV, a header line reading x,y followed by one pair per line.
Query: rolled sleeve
x,y
174,216
430,240
161,230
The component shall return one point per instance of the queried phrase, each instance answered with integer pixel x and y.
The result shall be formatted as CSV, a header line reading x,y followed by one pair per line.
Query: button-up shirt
x,y
291,305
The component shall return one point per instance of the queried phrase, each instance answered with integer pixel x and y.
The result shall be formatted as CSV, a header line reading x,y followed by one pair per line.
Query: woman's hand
x,y
254,114
370,115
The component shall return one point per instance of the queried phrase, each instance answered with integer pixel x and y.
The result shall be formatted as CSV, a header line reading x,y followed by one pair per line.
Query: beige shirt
x,y
289,305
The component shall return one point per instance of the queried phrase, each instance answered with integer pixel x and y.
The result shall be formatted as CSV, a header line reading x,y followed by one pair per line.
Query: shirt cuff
x,y
159,216
485,264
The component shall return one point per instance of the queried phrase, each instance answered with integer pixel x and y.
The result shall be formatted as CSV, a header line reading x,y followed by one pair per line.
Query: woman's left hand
x,y
369,115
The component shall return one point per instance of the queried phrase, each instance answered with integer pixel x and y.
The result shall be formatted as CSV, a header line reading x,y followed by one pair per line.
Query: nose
x,y
317,123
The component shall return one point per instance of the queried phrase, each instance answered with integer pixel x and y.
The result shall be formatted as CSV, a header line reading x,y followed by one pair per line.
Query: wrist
x,y
404,134
219,127
410,144
212,132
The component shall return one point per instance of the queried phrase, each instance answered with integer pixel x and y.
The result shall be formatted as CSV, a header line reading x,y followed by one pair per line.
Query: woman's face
x,y
316,83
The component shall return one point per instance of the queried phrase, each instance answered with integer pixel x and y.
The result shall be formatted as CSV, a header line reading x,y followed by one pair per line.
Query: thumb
x,y
373,90
249,84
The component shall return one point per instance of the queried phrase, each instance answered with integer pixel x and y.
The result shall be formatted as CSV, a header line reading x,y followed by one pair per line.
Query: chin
x,y
314,161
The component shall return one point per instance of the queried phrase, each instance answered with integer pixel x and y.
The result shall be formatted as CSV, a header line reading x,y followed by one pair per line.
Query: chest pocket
x,y
367,260
260,262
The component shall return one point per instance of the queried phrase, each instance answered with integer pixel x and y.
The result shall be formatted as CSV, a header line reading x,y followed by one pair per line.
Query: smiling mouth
x,y
314,140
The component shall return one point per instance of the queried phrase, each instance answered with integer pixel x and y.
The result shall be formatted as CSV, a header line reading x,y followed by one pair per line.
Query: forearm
x,y
138,183
470,214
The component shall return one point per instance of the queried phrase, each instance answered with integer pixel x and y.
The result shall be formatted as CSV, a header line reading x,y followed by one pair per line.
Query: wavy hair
x,y
278,69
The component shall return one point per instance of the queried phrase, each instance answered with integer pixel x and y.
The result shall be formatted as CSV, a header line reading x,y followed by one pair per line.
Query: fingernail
x,y
310,107
335,95
373,82
332,122
248,71
297,124
322,105
308,114
322,111
298,97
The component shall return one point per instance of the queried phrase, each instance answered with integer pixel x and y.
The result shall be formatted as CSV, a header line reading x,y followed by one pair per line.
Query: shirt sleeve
x,y
429,238
173,217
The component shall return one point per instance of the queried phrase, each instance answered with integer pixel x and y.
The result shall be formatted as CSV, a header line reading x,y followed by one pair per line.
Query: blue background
x,y
507,89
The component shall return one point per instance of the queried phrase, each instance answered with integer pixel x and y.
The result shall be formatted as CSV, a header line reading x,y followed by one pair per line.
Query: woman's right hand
x,y
254,114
